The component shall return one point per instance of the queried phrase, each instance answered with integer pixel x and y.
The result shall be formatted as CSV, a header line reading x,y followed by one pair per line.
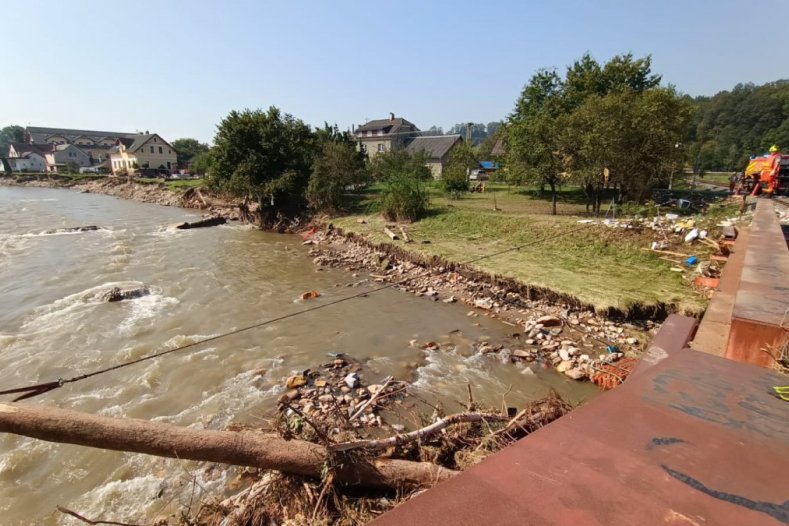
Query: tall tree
x,y
534,155
581,122
338,167
8,135
187,149
265,156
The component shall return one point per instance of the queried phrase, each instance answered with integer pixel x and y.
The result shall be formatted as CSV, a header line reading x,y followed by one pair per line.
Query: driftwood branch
x,y
242,448
373,398
426,431
86,520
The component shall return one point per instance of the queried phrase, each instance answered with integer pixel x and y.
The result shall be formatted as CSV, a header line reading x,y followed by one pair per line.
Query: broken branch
x,y
426,431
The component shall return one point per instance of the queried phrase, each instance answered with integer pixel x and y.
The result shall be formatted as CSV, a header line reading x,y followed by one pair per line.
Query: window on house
x,y
151,149
381,148
160,149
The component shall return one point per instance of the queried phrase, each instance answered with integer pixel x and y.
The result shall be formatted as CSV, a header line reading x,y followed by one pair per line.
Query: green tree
x,y
533,152
187,149
338,168
8,135
265,156
397,162
631,135
731,125
200,163
540,148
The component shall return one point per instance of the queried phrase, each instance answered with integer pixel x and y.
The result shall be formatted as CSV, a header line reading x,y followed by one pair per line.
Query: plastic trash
x,y
692,260
692,235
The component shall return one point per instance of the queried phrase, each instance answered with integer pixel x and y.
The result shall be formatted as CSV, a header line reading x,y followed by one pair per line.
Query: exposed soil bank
x,y
547,328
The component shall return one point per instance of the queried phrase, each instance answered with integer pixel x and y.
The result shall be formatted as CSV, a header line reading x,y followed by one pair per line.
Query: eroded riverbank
x,y
203,282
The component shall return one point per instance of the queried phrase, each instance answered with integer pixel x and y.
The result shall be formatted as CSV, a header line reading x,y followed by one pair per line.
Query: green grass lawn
x,y
601,266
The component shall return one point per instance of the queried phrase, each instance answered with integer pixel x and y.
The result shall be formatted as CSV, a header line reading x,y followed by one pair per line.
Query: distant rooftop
x,y
434,146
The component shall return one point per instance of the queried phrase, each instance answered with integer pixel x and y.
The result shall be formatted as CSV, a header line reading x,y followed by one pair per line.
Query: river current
x,y
204,282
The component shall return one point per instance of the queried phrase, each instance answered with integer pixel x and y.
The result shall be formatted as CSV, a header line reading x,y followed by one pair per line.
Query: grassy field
x,y
601,266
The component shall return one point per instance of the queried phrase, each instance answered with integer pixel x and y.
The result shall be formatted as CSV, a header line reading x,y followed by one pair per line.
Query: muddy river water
x,y
53,324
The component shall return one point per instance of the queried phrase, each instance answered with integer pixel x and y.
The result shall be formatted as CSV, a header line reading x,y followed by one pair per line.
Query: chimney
x,y
391,116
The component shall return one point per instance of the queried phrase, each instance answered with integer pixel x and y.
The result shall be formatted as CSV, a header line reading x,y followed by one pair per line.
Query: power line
x,y
41,388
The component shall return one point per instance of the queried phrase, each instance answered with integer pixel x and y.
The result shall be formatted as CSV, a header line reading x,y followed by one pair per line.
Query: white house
x,y
28,162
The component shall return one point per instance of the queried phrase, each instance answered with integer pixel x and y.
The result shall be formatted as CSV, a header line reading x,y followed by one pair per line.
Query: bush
x,y
454,181
404,198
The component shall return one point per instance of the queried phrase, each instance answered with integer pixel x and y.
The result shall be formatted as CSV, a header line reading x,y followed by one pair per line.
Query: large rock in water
x,y
119,294
88,228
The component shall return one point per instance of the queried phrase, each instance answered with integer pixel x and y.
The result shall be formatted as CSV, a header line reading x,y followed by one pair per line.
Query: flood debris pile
x,y
335,394
357,422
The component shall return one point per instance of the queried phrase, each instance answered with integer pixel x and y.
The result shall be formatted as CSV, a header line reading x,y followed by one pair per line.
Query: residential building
x,y
42,135
384,135
18,149
63,155
142,150
27,162
437,150
147,152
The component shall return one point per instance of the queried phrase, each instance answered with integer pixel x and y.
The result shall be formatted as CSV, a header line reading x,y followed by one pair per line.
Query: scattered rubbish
x,y
782,392
711,283
310,295
692,260
729,232
692,235
683,203
309,233
352,380
390,233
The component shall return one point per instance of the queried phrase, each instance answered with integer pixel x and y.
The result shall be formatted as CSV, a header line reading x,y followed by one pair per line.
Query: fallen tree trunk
x,y
242,448
203,223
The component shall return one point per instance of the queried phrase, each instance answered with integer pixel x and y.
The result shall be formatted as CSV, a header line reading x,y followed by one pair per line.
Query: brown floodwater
x,y
204,282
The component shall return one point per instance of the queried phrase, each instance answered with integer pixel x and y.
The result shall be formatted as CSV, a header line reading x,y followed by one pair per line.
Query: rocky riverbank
x,y
575,340
157,193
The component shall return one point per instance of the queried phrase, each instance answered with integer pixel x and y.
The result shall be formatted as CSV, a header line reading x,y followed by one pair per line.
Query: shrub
x,y
454,181
404,197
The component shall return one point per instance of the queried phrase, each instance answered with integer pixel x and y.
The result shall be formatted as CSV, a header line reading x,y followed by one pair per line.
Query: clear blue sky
x,y
178,67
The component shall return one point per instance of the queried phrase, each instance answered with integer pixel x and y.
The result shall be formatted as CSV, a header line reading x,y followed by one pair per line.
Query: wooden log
x,y
670,253
211,221
242,448
406,238
389,233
